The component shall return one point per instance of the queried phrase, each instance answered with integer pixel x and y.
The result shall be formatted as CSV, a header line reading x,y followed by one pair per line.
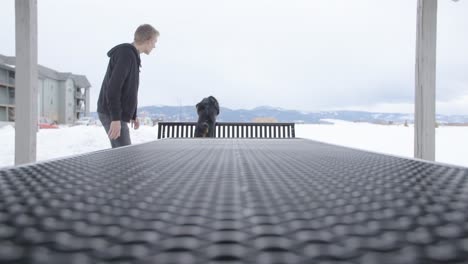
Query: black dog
x,y
208,110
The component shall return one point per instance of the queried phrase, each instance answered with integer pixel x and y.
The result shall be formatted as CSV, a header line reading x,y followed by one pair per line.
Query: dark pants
x,y
124,139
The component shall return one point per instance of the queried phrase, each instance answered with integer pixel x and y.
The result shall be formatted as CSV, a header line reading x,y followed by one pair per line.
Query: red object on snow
x,y
45,123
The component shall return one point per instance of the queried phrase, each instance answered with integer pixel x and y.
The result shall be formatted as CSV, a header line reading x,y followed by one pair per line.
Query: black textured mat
x,y
234,201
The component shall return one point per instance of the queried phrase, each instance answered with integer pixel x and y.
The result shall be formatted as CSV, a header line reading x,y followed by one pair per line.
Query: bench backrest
x,y
228,130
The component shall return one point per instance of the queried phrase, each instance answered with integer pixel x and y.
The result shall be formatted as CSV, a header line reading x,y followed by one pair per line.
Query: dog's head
x,y
208,107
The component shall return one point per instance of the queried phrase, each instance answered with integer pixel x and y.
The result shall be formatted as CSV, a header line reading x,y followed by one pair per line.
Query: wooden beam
x,y
26,81
424,121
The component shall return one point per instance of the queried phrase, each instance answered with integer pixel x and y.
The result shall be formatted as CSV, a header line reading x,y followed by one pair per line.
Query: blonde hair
x,y
144,33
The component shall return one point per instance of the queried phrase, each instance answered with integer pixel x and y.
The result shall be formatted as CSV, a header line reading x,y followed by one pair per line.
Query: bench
x,y
228,130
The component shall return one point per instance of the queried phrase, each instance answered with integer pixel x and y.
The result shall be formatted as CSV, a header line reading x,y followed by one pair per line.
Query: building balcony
x,y
79,95
7,101
11,85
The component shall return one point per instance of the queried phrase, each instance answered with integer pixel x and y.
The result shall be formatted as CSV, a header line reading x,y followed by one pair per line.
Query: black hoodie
x,y
119,92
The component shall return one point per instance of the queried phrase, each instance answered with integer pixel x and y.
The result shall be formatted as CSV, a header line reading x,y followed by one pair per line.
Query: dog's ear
x,y
213,100
217,107
199,107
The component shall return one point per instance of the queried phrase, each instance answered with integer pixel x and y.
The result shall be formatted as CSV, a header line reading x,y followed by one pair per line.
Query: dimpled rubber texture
x,y
234,201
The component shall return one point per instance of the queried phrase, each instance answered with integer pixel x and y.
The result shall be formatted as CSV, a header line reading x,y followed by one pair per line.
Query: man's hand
x,y
114,130
135,124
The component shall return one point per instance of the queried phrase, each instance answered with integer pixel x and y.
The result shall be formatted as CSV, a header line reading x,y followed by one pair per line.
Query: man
x,y
117,103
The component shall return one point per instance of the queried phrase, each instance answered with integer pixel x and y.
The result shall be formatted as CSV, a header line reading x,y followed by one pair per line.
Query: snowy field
x,y
451,142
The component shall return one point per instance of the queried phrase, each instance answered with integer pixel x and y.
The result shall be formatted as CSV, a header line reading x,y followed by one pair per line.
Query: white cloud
x,y
454,106
300,54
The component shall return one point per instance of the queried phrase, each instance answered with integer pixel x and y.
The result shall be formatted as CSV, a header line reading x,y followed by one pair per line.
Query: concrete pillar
x,y
26,81
424,120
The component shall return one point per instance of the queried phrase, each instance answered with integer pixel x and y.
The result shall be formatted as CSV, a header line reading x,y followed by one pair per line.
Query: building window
x,y
12,77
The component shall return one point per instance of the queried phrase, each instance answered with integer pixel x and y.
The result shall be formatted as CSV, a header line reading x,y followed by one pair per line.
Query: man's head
x,y
145,38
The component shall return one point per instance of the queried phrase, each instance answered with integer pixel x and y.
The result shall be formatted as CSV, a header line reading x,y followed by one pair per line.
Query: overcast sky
x,y
309,55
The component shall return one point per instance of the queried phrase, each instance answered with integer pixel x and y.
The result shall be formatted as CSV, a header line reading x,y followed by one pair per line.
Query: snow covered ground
x,y
451,142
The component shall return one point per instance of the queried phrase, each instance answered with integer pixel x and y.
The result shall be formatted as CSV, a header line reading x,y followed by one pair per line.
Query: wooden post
x,y
424,120
26,81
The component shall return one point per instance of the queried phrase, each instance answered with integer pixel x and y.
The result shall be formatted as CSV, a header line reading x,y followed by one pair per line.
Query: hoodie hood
x,y
125,46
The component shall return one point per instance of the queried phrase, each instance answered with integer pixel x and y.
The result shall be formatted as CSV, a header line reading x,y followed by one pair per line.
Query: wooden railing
x,y
228,130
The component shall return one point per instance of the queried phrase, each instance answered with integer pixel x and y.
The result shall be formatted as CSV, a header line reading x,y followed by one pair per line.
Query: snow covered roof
x,y
8,62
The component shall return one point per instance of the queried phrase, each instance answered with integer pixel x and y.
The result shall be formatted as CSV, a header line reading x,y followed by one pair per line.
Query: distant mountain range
x,y
188,113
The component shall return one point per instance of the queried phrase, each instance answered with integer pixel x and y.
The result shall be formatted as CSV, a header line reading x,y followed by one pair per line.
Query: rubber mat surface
x,y
234,201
